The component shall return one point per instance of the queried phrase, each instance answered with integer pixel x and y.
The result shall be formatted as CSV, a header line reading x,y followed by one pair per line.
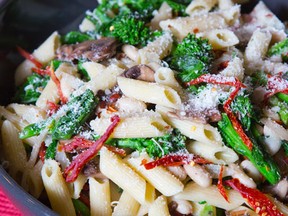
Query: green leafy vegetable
x,y
282,108
127,20
258,156
83,71
51,150
129,29
30,91
280,49
208,210
155,147
243,108
77,110
191,58
55,64
74,37
35,128
80,208
285,146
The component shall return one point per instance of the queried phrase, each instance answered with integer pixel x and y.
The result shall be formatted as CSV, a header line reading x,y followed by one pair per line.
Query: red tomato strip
x,y
258,201
216,79
82,143
236,124
77,142
276,84
42,152
230,81
58,84
29,57
41,71
116,150
175,160
52,107
73,170
220,184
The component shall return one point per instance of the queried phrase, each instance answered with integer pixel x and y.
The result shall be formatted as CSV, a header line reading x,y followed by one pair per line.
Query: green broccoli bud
x,y
29,92
74,37
280,49
191,58
243,109
155,147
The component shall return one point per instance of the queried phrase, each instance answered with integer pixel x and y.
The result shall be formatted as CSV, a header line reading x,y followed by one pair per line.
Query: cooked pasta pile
x,y
160,108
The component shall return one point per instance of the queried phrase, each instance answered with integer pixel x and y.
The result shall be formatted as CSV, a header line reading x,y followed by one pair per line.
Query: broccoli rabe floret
x,y
77,110
51,150
280,49
74,37
127,20
155,147
282,108
279,100
129,29
243,109
284,145
80,208
191,58
83,71
258,156
29,92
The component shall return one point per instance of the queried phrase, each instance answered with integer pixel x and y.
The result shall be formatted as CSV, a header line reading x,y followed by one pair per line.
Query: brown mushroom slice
x,y
93,50
140,72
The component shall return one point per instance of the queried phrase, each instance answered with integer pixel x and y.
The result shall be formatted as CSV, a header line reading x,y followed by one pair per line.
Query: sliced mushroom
x,y
180,208
93,50
140,72
92,169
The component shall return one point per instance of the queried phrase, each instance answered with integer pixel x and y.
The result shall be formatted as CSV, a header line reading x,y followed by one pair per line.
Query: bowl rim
x,y
26,203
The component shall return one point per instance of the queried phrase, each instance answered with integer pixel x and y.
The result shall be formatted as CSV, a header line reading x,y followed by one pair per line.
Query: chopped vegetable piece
x,y
258,156
191,58
80,208
82,143
280,49
75,37
129,29
175,160
73,170
231,81
155,147
258,201
220,186
276,84
55,79
51,150
243,109
79,110
42,152
83,71
29,92
208,210
29,57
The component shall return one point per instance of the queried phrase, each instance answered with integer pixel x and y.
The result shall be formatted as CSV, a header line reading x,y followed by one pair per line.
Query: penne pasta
x,y
56,188
140,90
127,206
99,193
159,207
211,195
156,176
118,171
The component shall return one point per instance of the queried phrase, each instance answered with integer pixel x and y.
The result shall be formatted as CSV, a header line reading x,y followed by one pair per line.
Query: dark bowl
x,y
27,23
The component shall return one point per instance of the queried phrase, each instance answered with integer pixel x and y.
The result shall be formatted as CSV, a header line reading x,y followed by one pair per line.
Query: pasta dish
x,y
155,108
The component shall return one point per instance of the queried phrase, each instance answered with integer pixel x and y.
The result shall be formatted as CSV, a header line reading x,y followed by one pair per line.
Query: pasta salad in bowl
x,y
159,108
